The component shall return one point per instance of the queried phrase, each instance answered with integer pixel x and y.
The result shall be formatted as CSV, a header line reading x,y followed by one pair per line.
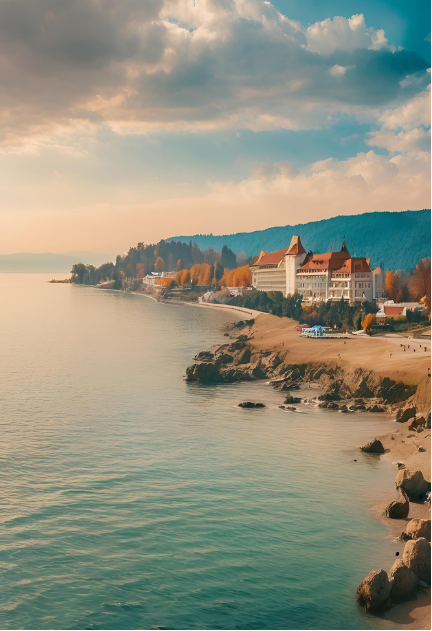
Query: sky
x,y
135,120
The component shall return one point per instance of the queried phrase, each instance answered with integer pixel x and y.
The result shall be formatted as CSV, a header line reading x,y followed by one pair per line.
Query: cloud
x,y
415,113
274,194
405,128
344,34
162,65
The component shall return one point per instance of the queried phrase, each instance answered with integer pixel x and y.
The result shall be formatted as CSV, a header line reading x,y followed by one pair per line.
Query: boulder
x,y
416,423
374,591
204,356
418,528
413,483
224,358
417,557
398,509
291,399
403,580
358,407
251,404
203,371
329,396
258,372
331,405
404,415
374,446
243,356
376,408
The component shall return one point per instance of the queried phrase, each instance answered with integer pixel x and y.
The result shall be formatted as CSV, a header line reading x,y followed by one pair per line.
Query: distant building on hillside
x,y
152,278
318,277
392,309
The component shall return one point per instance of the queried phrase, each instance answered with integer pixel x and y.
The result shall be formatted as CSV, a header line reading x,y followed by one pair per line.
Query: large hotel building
x,y
329,276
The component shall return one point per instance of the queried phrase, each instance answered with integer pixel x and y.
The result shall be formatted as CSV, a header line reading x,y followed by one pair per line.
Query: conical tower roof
x,y
296,247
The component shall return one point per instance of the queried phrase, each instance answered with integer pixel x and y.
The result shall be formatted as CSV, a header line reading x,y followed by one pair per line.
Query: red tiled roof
x,y
328,260
271,258
392,311
354,265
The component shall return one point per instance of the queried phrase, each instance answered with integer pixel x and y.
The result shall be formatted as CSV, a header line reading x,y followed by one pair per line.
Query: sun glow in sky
x,y
126,121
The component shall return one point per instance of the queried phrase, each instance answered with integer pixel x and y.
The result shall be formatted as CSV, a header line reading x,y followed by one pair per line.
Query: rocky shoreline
x,y
348,390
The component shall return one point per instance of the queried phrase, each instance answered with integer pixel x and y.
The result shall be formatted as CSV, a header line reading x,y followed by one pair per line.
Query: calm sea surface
x,y
131,499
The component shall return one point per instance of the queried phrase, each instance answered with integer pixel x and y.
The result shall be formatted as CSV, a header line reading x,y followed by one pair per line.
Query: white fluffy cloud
x,y
137,67
416,113
405,128
344,35
365,182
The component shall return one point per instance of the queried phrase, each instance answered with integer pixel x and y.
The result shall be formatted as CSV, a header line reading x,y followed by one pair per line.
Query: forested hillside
x,y
397,240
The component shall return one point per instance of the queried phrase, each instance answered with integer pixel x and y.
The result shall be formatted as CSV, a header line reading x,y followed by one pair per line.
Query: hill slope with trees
x,y
395,239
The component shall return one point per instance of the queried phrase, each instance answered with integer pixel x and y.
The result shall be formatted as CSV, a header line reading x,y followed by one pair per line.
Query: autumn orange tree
x,y
239,277
183,277
420,283
165,282
368,322
392,285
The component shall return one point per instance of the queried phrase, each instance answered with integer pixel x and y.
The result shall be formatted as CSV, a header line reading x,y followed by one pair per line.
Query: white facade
x,y
320,277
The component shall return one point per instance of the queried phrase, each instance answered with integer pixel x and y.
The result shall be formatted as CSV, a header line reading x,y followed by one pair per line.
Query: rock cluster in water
x,y
380,589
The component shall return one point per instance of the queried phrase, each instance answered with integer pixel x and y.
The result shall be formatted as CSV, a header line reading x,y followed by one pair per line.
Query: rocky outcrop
x,y
417,529
404,415
238,361
417,557
361,383
376,408
403,580
330,405
416,423
291,399
203,371
251,404
413,483
204,356
374,446
373,593
398,509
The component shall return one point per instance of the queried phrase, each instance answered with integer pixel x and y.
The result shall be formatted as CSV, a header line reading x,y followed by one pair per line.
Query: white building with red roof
x,y
328,276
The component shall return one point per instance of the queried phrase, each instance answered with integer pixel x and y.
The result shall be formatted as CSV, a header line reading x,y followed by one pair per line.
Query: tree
x,y
391,285
185,277
228,258
179,266
78,271
368,322
420,284
159,265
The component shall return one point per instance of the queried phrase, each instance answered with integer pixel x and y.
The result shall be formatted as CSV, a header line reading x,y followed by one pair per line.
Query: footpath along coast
x,y
354,375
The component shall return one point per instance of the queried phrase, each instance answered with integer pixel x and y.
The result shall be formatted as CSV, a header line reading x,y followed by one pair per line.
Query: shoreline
x,y
271,339
378,359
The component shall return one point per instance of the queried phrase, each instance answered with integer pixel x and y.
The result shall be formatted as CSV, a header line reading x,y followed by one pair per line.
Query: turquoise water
x,y
132,499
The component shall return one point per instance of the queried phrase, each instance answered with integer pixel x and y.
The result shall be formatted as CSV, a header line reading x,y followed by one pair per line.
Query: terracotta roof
x,y
296,247
271,258
352,266
392,311
328,260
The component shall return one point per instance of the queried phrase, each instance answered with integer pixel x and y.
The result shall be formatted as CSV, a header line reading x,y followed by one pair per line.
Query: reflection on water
x,y
133,499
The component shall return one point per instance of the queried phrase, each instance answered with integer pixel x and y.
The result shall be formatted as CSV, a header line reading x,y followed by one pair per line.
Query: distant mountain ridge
x,y
395,239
